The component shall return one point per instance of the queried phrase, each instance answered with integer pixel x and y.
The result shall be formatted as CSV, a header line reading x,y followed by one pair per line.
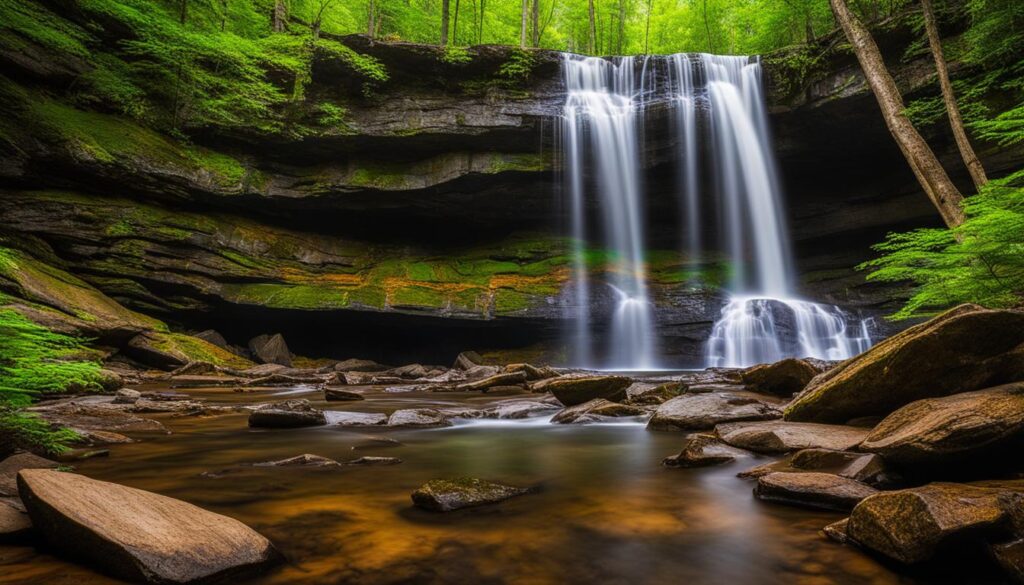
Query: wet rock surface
x,y
287,414
813,489
964,349
950,429
699,412
704,450
571,391
782,436
782,378
446,495
596,410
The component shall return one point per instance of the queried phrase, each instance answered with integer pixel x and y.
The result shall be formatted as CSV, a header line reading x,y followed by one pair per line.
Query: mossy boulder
x,y
915,524
964,349
952,428
172,350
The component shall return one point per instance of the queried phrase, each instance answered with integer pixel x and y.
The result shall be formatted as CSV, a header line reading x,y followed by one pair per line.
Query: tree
x,y
647,27
926,167
707,28
371,18
279,16
974,166
535,24
522,24
444,23
182,11
592,37
318,17
455,24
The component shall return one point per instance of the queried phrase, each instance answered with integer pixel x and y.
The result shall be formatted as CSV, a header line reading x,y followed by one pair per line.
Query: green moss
x,y
417,296
195,349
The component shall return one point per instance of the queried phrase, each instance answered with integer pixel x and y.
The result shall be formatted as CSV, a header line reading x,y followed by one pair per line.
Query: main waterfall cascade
x,y
603,119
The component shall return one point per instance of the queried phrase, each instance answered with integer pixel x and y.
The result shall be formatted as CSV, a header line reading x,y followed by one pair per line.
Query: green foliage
x,y
35,360
455,55
21,430
518,66
982,261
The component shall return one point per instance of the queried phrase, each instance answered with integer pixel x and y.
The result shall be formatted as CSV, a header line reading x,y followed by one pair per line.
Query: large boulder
x,y
571,391
964,349
912,525
644,393
15,525
287,415
782,437
137,535
951,428
467,360
596,410
783,378
445,495
270,349
699,412
703,450
813,489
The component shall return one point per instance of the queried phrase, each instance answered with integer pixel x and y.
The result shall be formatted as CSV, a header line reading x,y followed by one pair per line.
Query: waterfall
x,y
601,122
718,102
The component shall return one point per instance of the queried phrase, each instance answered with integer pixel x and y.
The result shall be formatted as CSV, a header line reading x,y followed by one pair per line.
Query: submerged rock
x,y
445,495
963,349
337,394
911,525
782,437
699,412
836,531
137,535
813,489
304,460
952,428
702,450
369,460
270,349
572,391
419,417
287,414
595,410
782,378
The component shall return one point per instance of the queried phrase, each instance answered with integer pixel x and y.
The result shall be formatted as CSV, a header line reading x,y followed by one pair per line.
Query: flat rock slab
x,y
369,460
813,489
519,410
446,495
331,394
571,391
304,460
595,410
703,450
355,419
782,437
286,415
137,535
419,418
99,418
701,412
949,429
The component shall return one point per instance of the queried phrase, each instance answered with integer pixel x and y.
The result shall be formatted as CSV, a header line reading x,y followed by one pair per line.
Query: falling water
x,y
601,119
764,319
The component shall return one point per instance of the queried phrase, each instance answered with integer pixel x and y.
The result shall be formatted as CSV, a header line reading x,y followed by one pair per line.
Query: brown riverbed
x,y
607,511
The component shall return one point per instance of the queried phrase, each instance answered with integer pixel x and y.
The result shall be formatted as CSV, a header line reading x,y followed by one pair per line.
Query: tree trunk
x,y
535,20
622,27
480,33
929,172
974,165
279,16
455,24
707,28
592,37
647,28
444,23
223,15
523,19
183,11
371,17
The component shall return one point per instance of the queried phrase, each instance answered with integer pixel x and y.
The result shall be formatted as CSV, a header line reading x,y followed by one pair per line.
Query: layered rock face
x,y
419,221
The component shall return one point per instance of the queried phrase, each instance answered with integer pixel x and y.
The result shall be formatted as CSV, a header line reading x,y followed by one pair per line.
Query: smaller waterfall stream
x,y
601,128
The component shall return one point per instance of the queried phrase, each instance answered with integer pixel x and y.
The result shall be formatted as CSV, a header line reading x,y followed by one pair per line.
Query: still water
x,y
607,512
